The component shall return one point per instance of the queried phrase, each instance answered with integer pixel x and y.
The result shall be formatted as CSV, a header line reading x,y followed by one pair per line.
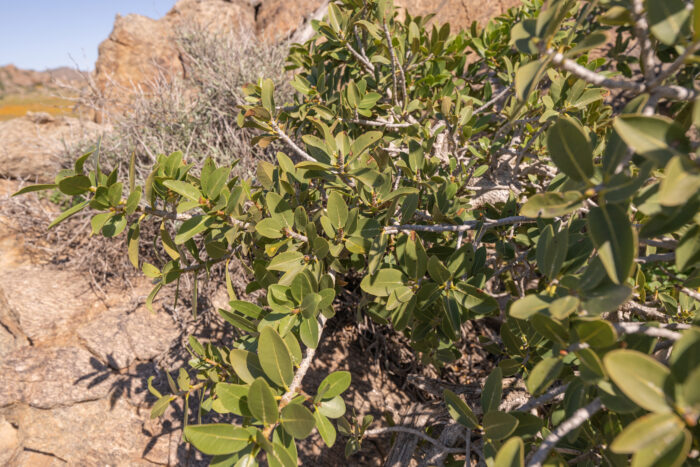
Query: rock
x,y
277,19
9,441
139,49
15,80
30,149
459,13
95,433
46,378
119,339
45,302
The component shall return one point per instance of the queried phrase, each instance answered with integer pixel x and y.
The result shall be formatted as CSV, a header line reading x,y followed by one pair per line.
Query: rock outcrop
x,y
140,48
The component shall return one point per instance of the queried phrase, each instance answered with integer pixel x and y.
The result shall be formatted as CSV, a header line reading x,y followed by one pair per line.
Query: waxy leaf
x,y
459,410
217,438
639,377
275,358
297,420
261,402
613,236
570,149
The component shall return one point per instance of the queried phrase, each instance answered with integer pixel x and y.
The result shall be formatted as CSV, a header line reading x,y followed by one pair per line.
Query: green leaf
x,y
671,452
493,391
333,385
31,188
459,410
308,332
185,189
529,306
551,251
269,227
649,429
245,364
75,185
551,204
337,210
639,377
363,142
511,454
669,20
383,282
69,212
267,94
543,375
499,425
233,397
522,34
570,148
333,408
161,406
438,271
597,333
527,77
191,227
217,438
261,402
325,429
656,138
613,236
274,357
286,261
679,184
297,420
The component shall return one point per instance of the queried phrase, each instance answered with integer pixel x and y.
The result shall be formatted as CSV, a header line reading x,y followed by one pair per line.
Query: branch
x,y
468,225
644,311
675,66
641,31
394,65
563,429
414,432
592,77
663,331
543,399
494,99
655,258
380,123
303,368
290,143
366,64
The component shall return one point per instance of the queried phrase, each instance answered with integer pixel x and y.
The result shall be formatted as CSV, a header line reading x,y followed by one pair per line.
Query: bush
x,y
584,255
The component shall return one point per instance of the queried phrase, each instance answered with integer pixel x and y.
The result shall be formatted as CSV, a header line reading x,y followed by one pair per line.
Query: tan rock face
x,y
139,48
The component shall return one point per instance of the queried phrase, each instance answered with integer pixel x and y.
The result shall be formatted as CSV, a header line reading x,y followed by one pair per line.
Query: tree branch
x,y
563,429
468,225
663,331
303,369
366,64
290,143
414,432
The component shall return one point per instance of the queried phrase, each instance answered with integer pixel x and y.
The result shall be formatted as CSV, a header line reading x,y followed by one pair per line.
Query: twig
x,y
641,31
543,399
303,369
366,64
380,123
675,66
394,64
289,142
468,225
644,311
662,331
563,429
655,258
494,99
592,77
414,432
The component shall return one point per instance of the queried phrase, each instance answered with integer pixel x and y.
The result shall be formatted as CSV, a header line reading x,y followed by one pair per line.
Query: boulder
x,y
120,338
140,49
47,378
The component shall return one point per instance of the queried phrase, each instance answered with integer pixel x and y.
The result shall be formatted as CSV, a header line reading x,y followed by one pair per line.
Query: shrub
x,y
584,254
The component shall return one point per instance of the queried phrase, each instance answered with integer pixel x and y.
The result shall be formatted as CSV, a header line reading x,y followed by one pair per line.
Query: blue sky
x,y
40,34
